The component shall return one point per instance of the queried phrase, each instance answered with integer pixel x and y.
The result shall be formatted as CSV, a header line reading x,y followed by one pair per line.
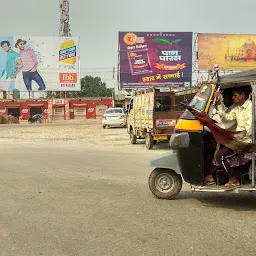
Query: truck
x,y
153,113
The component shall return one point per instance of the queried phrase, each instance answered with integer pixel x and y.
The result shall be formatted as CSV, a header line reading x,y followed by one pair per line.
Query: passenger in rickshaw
x,y
210,145
242,113
228,105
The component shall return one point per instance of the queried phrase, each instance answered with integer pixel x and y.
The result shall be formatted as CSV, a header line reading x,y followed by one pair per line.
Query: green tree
x,y
90,87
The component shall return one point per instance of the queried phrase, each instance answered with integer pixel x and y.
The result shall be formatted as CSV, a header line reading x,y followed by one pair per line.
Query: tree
x,y
90,87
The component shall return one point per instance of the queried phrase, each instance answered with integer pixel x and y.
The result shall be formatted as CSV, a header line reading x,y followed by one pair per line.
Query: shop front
x,y
100,110
58,109
38,108
13,110
79,111
10,108
90,108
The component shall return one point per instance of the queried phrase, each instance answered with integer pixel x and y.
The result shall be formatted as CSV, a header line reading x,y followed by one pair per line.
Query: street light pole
x,y
113,90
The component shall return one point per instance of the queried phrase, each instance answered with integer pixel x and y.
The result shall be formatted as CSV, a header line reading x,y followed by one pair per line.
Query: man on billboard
x,y
29,69
12,68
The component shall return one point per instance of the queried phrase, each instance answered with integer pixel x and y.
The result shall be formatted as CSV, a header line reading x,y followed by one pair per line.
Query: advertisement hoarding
x,y
154,58
31,63
229,51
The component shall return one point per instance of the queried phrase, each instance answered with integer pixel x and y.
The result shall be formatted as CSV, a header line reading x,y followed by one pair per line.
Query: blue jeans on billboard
x,y
28,77
12,87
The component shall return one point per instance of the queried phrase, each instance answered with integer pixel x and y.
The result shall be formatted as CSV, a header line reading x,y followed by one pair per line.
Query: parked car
x,y
37,118
114,117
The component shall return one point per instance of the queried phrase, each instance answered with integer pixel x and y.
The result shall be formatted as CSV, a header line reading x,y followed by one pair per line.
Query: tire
x,y
149,141
104,126
133,138
165,183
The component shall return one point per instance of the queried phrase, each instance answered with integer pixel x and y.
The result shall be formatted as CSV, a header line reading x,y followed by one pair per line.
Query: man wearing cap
x,y
29,68
12,68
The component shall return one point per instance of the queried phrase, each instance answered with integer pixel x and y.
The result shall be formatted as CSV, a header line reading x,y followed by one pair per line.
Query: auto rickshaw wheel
x,y
165,183
149,141
132,137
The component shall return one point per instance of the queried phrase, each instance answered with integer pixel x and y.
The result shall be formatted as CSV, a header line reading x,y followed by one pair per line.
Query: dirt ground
x,y
88,132
76,189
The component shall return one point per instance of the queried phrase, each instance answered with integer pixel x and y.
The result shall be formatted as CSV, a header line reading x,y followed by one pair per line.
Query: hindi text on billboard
x,y
155,59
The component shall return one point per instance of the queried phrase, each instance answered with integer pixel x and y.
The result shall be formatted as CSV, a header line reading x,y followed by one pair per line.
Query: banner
x,y
29,63
154,58
229,51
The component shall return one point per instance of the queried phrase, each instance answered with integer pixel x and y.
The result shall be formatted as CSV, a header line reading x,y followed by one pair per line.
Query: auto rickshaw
x,y
185,161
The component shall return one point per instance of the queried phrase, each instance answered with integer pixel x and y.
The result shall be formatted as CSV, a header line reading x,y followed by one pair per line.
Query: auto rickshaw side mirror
x,y
179,140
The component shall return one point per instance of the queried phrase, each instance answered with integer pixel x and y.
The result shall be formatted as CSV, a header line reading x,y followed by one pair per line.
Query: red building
x,y
23,109
89,108
56,109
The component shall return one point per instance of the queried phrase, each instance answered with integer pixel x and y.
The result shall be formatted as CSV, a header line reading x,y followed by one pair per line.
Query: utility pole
x,y
113,90
64,21
64,18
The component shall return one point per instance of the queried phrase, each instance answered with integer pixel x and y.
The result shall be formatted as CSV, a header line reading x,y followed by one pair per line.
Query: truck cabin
x,y
163,102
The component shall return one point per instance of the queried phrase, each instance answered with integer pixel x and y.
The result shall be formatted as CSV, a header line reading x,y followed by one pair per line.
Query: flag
x,y
230,139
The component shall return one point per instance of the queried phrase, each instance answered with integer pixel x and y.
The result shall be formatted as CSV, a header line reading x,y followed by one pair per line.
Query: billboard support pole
x,y
195,61
64,26
113,90
253,133
118,69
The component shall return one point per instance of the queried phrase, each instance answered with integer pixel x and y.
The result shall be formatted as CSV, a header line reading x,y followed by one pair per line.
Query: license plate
x,y
160,137
165,122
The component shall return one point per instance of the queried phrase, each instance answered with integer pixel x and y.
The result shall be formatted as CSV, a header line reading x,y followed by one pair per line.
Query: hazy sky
x,y
97,22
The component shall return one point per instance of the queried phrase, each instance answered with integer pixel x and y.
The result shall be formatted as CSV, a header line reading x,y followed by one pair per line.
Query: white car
x,y
114,117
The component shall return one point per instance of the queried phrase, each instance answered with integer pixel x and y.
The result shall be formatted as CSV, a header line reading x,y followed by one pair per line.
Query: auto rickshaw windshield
x,y
199,101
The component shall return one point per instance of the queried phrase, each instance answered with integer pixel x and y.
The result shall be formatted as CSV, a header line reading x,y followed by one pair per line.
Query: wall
x,y
24,107
49,105
90,105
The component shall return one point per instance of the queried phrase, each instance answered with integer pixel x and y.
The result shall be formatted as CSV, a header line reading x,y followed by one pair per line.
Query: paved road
x,y
65,199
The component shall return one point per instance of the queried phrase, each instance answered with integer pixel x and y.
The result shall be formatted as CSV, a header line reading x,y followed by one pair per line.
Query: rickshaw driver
x,y
242,113
228,105
210,146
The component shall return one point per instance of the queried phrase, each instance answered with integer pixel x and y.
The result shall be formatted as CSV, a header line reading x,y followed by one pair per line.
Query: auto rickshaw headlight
x,y
179,140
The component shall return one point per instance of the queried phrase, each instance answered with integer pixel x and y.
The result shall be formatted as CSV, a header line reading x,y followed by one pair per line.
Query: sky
x,y
97,23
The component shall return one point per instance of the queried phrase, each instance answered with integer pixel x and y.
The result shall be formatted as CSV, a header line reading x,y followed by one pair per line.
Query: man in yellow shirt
x,y
242,113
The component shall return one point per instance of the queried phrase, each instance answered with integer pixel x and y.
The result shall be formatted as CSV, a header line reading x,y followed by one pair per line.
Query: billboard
x,y
31,63
154,58
229,51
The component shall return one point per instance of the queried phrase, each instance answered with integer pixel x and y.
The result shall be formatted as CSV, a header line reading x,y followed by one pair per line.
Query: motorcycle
x,y
37,118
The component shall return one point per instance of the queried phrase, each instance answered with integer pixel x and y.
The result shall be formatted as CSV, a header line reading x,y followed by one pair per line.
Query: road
x,y
64,198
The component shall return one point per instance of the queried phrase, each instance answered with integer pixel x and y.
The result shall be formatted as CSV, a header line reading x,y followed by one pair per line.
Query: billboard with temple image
x,y
230,51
